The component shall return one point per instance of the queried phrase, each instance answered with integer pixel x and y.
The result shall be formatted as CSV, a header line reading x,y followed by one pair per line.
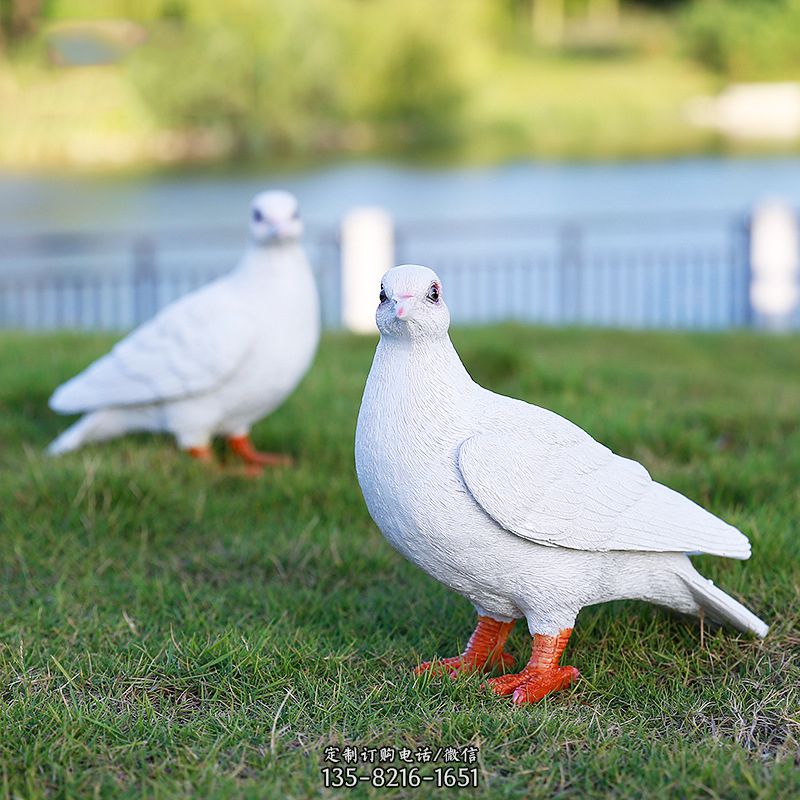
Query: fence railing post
x,y
144,280
774,265
367,243
570,270
741,274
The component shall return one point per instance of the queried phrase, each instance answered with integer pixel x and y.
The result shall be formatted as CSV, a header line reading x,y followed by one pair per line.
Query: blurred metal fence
x,y
102,281
680,270
676,270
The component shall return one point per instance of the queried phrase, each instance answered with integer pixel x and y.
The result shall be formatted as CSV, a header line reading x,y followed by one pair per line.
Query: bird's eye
x,y
296,214
383,297
433,293
257,215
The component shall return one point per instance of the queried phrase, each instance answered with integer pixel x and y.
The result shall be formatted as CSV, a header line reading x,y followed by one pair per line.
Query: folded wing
x,y
573,492
189,348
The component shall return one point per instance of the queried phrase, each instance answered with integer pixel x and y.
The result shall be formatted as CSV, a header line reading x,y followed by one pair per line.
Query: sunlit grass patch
x,y
174,631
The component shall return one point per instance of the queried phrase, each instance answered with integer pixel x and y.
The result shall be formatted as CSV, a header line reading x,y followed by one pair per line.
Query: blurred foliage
x,y
20,19
745,39
481,79
308,75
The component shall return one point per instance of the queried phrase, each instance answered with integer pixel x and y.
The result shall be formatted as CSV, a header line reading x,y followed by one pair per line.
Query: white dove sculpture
x,y
216,360
513,506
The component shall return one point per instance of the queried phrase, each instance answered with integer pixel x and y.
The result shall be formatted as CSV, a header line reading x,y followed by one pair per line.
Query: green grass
x,y
170,631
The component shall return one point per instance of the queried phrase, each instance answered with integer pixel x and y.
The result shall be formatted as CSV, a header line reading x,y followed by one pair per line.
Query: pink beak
x,y
402,305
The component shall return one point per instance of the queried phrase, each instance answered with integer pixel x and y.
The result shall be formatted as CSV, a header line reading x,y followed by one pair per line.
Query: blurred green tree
x,y
745,39
20,19
306,75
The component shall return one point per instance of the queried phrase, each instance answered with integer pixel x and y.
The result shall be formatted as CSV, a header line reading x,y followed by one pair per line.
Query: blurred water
x,y
166,201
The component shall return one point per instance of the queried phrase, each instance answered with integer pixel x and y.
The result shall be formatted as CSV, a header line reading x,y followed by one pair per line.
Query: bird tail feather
x,y
722,607
96,426
72,438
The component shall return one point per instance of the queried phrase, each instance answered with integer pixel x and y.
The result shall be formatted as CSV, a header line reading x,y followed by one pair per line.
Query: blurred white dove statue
x,y
515,507
215,361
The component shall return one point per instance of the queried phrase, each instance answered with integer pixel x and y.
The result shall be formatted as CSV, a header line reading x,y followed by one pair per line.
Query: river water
x,y
167,201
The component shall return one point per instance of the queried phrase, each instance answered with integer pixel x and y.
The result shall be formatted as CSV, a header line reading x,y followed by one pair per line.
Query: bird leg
x,y
202,453
243,447
542,673
484,651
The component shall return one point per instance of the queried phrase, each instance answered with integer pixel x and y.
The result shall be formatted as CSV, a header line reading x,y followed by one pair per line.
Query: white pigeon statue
x,y
216,360
513,506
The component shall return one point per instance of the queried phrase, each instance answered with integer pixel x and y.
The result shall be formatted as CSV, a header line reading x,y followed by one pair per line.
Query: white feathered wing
x,y
570,491
188,349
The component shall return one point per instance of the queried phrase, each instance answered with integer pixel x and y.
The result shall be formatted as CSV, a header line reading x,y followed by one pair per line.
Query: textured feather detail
x,y
189,348
573,492
722,607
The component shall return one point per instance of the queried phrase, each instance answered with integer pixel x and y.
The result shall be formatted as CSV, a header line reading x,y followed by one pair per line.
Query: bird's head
x,y
411,304
275,218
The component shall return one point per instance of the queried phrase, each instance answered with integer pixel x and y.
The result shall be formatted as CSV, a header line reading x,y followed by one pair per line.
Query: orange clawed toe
x,y
541,675
484,651
201,454
254,461
464,664
243,447
531,686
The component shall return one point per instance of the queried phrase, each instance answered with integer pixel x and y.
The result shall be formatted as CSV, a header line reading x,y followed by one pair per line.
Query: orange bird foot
x,y
542,673
532,686
484,651
255,460
201,454
457,664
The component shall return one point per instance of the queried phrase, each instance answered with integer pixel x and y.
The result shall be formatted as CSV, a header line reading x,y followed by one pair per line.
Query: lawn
x,y
173,631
